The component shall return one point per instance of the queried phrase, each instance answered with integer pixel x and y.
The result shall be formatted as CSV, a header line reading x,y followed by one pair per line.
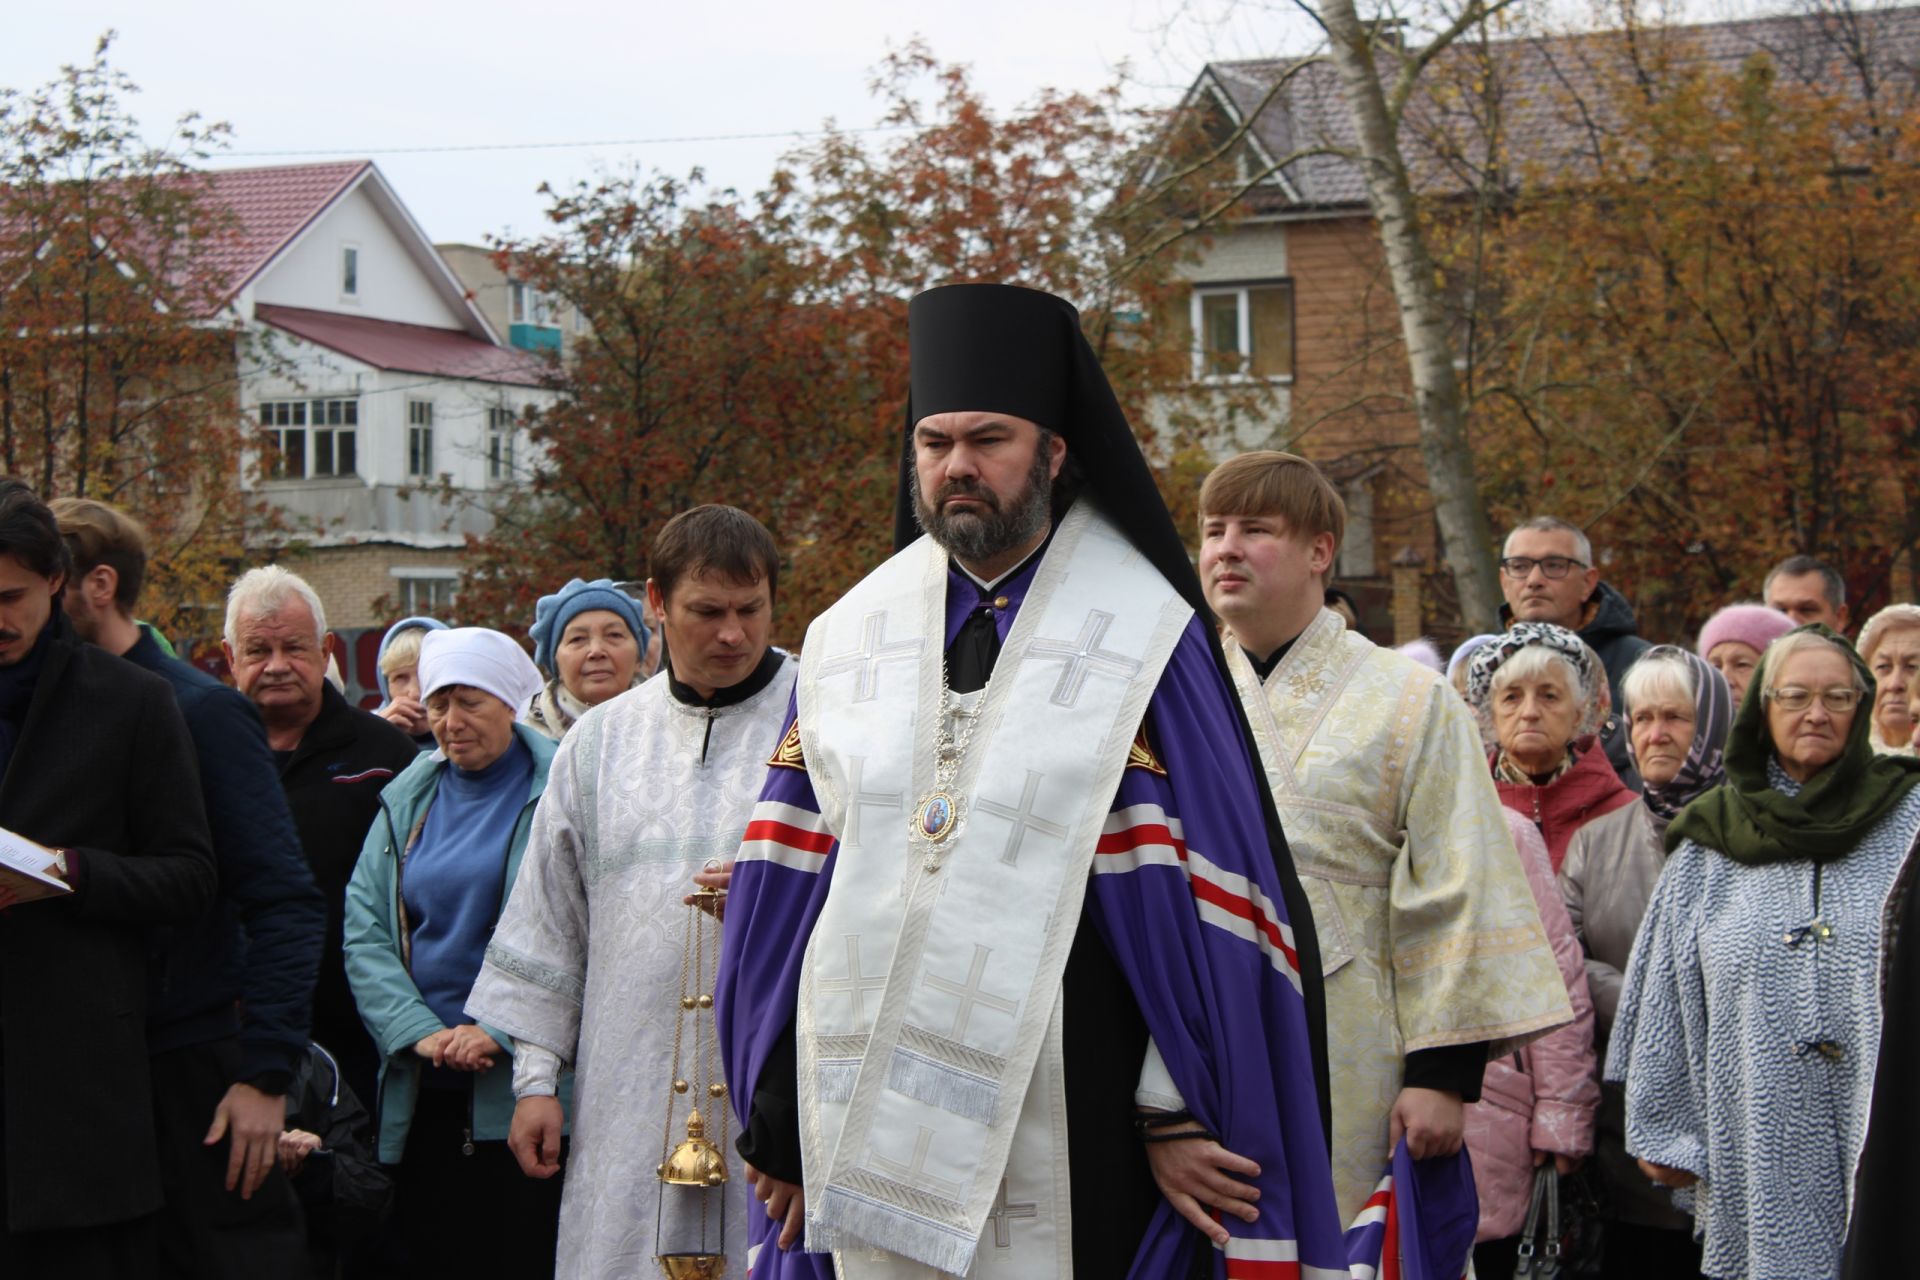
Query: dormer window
x,y
349,271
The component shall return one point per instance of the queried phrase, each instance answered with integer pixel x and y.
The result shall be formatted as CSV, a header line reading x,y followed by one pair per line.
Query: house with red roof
x,y
390,403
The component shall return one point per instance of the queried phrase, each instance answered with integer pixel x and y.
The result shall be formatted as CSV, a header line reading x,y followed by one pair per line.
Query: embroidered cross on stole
x,y
932,1112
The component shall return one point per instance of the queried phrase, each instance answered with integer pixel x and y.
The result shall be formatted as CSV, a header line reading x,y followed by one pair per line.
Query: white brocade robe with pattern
x,y
584,966
1428,931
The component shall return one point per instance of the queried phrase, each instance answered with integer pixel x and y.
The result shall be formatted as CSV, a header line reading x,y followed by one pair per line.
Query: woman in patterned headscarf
x,y
1541,695
1679,711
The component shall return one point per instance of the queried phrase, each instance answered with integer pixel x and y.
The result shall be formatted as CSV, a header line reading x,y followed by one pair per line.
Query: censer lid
x,y
696,1162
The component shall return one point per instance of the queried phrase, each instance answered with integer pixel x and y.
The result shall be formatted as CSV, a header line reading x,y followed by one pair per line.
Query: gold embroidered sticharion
x,y
787,755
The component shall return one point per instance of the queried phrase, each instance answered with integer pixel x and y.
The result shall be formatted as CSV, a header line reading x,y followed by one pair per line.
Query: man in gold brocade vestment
x,y
1433,950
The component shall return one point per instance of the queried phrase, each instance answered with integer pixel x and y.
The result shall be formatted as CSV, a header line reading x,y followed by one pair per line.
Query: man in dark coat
x,y
228,1002
96,765
334,759
1548,575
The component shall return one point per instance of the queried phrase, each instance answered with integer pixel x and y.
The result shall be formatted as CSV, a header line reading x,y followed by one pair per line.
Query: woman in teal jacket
x,y
433,878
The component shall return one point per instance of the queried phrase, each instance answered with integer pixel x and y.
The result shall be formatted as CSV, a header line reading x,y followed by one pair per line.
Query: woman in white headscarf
x,y
433,877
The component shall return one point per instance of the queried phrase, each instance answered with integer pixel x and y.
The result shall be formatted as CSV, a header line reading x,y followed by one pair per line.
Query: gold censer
x,y
690,1233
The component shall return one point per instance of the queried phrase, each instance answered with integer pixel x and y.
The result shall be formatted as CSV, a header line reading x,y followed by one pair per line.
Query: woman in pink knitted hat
x,y
1734,638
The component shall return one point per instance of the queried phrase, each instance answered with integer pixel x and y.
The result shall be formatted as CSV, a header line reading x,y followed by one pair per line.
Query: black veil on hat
x,y
997,348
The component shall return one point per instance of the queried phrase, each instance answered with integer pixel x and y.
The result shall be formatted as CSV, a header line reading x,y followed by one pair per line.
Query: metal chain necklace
x,y
938,814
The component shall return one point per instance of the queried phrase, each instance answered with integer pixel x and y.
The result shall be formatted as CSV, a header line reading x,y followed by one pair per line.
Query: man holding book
x,y
96,765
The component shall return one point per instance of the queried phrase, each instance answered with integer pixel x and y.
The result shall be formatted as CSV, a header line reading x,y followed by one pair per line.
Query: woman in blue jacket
x,y
433,877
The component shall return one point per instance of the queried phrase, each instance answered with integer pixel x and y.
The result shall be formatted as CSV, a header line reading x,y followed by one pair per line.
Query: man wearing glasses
x,y
1548,575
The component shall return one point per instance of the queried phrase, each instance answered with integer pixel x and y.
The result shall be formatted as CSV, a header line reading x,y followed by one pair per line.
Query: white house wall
x,y
391,283
382,502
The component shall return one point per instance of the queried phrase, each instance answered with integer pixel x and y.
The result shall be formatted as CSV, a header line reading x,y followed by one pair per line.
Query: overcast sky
x,y
355,78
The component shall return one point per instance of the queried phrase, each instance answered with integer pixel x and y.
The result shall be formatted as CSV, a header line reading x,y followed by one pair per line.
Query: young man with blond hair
x,y
1431,945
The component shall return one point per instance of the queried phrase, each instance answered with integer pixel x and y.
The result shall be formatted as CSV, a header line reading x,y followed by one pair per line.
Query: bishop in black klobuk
x,y
971,1004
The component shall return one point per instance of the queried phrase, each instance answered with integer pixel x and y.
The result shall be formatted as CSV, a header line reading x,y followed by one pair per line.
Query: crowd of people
x,y
1083,905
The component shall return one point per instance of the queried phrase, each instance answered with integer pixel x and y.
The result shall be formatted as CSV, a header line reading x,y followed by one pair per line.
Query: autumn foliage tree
x,y
1705,347
706,377
754,351
117,381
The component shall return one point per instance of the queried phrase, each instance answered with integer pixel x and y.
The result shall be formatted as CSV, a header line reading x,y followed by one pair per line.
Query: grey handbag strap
x,y
1539,1254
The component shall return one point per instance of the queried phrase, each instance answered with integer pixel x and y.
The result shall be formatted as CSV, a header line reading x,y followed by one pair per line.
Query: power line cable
x,y
564,146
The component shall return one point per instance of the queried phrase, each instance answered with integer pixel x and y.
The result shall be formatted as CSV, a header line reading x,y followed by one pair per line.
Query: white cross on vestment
x,y
854,984
1083,655
1022,818
970,993
915,1173
858,799
865,661
1001,1216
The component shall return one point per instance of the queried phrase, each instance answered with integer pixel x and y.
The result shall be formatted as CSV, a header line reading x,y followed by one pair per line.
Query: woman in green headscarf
x,y
1750,1019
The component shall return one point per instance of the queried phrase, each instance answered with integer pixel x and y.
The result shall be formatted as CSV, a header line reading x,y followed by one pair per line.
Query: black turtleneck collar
x,y
1264,667
757,679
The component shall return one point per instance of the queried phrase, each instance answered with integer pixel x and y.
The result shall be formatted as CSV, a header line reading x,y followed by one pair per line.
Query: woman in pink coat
x,y
1537,1104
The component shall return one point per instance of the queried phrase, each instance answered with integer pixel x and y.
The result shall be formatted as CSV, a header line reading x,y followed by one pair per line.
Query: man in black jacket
x,y
95,762
1548,575
229,1002
334,759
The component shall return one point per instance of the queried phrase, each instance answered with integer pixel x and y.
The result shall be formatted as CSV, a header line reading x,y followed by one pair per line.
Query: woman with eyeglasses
x,y
1749,1023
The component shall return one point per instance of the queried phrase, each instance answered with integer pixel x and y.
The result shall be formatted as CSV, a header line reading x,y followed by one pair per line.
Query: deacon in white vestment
x,y
646,791
1434,953
1014,948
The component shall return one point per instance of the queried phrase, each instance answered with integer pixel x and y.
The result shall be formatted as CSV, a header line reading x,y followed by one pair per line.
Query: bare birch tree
x,y
1439,406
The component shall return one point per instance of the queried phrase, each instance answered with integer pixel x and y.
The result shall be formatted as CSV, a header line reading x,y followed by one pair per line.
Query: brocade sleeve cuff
x,y
536,1071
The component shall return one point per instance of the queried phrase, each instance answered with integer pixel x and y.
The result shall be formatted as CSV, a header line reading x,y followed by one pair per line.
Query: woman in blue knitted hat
x,y
590,641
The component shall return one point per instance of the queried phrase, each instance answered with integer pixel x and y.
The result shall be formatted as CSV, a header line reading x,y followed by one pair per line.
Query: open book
x,y
27,869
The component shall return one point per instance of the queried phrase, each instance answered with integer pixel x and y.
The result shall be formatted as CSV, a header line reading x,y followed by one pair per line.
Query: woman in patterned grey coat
x,y
1747,1029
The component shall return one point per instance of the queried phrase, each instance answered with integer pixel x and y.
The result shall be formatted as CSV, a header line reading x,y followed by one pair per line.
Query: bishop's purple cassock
x,y
1183,936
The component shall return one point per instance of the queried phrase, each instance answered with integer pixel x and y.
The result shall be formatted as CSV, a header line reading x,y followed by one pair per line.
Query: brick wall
x,y
350,580
1350,375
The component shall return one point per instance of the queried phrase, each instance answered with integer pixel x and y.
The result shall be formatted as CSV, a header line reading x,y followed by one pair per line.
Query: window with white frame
x,y
310,437
427,591
1243,330
419,437
501,422
349,271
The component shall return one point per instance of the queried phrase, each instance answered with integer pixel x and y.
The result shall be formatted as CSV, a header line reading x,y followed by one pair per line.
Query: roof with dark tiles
x,y
1552,101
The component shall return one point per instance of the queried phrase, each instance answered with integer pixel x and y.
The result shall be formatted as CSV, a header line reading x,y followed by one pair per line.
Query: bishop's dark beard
x,y
975,537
